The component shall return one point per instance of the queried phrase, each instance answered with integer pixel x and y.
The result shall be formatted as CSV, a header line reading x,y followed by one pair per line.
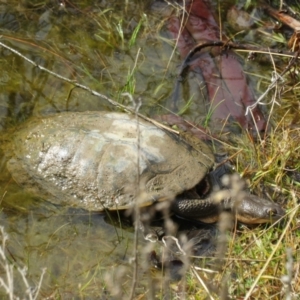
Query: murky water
x,y
95,43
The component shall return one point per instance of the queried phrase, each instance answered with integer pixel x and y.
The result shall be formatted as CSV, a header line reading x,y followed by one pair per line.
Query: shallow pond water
x,y
97,44
93,43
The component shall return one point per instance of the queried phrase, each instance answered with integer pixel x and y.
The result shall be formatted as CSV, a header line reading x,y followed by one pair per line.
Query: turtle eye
x,y
275,213
272,212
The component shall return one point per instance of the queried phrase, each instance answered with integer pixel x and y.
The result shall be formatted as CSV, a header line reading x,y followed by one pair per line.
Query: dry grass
x,y
9,276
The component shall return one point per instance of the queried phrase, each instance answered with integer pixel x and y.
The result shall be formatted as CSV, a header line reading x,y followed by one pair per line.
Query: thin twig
x,y
136,105
202,283
93,92
275,79
230,45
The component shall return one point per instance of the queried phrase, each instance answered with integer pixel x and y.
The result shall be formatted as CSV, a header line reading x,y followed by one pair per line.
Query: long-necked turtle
x,y
95,160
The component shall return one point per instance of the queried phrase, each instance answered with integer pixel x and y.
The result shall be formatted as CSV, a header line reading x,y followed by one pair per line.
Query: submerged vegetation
x,y
122,48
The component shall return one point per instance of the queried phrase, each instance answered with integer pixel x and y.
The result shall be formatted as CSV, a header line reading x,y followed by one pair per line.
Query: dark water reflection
x,y
87,41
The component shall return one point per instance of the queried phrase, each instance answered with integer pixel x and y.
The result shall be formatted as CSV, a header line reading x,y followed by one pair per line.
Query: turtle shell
x,y
104,160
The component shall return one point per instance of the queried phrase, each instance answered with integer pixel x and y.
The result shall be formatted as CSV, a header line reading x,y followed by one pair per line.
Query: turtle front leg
x,y
204,210
247,208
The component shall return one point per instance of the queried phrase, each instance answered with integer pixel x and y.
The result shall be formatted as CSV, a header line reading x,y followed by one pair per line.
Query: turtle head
x,y
251,209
